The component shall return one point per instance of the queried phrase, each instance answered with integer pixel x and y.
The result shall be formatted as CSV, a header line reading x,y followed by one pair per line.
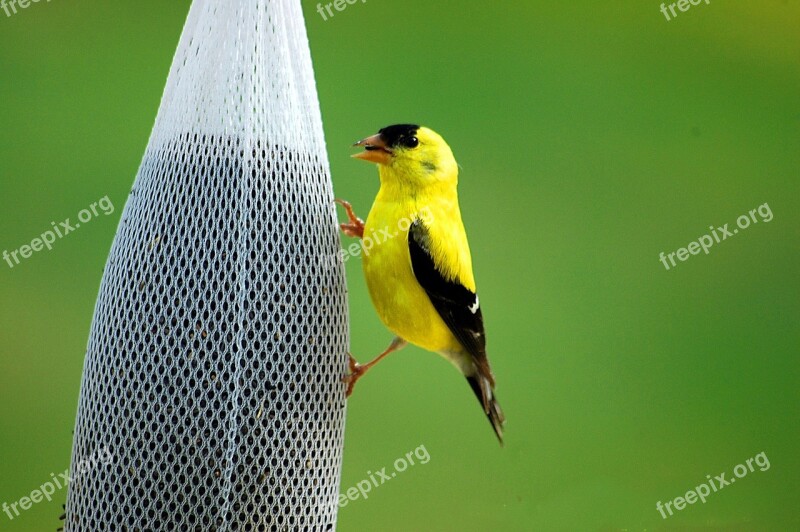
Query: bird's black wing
x,y
458,306
461,311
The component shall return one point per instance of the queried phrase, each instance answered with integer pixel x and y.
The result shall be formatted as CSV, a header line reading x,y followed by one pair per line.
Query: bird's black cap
x,y
398,134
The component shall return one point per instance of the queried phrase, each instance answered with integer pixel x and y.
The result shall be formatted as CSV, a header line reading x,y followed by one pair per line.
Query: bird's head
x,y
411,153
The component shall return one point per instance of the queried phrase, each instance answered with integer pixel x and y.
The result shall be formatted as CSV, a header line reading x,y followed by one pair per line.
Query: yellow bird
x,y
416,258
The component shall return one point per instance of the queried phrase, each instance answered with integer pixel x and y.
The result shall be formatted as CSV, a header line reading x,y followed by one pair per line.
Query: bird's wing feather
x,y
458,306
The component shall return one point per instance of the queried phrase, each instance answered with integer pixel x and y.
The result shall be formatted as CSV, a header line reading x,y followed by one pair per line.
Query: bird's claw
x,y
356,372
355,228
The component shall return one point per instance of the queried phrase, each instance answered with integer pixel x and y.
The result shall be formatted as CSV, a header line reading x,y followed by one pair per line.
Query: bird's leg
x,y
356,226
358,370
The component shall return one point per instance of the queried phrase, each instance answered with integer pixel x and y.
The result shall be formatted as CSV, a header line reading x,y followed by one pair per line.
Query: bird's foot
x,y
355,228
356,372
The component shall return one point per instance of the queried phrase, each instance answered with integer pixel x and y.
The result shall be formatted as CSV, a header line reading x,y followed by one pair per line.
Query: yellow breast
x,y
400,301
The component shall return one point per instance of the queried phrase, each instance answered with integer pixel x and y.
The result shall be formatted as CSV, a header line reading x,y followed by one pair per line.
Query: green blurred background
x,y
592,136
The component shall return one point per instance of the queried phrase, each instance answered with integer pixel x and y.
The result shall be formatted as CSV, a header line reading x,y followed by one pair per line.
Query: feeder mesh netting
x,y
212,380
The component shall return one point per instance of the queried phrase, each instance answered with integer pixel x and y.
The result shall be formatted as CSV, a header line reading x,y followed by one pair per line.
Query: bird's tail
x,y
482,383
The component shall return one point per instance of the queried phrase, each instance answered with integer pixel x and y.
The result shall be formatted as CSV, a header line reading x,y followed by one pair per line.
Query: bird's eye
x,y
411,142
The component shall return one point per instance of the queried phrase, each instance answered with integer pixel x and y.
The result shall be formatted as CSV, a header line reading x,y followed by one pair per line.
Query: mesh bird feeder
x,y
212,378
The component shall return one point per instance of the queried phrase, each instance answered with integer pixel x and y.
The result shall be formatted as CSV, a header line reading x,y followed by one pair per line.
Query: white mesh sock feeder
x,y
214,364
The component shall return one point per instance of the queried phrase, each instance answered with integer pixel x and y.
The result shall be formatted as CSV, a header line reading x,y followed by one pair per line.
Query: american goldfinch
x,y
416,258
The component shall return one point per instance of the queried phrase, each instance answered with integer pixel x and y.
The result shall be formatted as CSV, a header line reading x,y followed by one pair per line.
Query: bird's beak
x,y
375,150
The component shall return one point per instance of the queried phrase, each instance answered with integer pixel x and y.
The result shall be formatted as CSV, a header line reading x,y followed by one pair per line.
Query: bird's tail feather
x,y
484,391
